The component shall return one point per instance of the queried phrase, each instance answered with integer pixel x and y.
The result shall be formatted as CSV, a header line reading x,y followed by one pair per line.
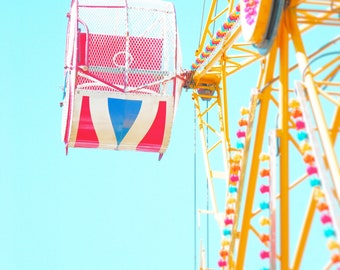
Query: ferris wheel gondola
x,y
122,74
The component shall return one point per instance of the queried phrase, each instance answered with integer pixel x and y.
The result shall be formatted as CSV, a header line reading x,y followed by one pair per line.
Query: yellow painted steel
x,y
284,147
304,233
270,81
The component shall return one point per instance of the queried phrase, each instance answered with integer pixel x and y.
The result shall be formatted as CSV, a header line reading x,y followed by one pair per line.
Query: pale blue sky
x,y
92,209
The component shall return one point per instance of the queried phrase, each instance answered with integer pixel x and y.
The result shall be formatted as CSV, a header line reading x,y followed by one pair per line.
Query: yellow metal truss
x,y
302,66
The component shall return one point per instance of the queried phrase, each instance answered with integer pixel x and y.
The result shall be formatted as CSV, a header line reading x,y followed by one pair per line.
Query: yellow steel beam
x,y
224,106
302,243
284,147
335,126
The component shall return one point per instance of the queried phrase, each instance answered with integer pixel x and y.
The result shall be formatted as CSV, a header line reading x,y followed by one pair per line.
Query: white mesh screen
x,y
132,48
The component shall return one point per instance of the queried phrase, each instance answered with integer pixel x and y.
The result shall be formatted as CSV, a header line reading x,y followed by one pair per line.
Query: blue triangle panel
x,y
123,114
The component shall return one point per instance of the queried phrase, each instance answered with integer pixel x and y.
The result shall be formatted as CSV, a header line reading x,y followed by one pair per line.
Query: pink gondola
x,y
122,75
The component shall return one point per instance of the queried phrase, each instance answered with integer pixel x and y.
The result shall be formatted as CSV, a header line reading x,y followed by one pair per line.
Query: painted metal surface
x,y
122,68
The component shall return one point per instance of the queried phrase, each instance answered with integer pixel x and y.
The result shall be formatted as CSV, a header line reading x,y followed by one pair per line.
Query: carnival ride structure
x,y
272,164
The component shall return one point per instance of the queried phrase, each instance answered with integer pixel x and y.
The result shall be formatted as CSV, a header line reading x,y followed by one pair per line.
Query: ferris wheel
x,y
269,71
266,90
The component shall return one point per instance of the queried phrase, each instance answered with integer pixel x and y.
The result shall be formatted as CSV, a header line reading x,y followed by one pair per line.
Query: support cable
x,y
195,189
207,188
